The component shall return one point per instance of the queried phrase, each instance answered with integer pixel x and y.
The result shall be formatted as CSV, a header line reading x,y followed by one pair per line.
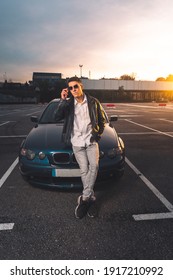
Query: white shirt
x,y
82,128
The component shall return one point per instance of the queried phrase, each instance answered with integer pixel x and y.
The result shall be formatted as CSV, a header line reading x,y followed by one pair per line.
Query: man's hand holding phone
x,y
64,93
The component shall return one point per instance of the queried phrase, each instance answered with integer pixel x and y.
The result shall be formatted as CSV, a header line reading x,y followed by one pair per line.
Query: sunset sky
x,y
109,38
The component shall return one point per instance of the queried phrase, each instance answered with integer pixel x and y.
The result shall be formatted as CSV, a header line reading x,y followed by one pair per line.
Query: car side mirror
x,y
34,119
113,118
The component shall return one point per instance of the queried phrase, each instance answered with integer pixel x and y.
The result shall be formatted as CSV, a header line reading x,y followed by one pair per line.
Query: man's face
x,y
76,89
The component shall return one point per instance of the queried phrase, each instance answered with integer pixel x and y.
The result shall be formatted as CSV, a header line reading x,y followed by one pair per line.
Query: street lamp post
x,y
80,65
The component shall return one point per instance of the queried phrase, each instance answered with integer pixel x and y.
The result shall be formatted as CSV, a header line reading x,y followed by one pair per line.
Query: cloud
x,y
109,37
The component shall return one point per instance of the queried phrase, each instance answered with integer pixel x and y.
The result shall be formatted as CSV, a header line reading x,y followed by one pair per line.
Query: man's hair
x,y
74,79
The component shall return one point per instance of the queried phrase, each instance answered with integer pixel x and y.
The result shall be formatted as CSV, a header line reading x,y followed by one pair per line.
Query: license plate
x,y
66,172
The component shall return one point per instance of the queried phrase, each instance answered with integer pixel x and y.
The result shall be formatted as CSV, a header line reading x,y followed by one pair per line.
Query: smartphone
x,y
69,93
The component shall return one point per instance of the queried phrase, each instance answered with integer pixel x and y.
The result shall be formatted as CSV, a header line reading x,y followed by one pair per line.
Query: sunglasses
x,y
75,87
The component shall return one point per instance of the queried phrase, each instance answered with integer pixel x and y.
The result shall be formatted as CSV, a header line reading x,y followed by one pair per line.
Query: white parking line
x,y
15,111
36,112
4,123
136,133
158,131
129,116
3,115
166,120
7,226
166,203
8,172
139,133
153,216
140,106
13,136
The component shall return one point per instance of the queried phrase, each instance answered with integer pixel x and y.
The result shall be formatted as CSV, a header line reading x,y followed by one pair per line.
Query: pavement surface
x,y
135,219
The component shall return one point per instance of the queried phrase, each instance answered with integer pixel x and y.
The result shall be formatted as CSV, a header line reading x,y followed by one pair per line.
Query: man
x,y
84,122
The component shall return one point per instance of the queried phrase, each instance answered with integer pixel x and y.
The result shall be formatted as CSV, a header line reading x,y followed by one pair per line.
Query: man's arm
x,y
101,118
60,113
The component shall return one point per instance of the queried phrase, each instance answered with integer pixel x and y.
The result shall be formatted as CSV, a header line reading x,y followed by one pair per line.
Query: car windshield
x,y
49,113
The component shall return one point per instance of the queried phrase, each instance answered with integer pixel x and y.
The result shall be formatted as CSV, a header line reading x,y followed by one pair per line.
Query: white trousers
x,y
88,160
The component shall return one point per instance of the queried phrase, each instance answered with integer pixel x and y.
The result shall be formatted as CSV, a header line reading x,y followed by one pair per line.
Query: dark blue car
x,y
44,160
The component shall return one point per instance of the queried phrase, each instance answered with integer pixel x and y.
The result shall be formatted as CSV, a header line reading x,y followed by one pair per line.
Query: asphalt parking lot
x,y
135,213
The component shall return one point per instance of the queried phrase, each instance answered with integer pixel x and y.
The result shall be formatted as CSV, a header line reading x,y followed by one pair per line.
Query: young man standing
x,y
84,122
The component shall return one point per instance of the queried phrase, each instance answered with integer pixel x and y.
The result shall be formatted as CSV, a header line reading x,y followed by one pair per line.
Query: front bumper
x,y
42,175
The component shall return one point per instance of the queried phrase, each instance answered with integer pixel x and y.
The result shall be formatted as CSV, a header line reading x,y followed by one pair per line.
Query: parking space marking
x,y
153,216
13,112
13,136
4,123
7,226
166,203
8,172
129,116
136,133
150,106
140,106
158,131
36,112
166,120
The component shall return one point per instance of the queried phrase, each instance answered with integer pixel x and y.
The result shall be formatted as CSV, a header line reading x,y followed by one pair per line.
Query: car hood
x,y
48,136
45,136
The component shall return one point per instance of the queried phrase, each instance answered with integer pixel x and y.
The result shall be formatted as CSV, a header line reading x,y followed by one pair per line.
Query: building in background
x,y
50,78
129,90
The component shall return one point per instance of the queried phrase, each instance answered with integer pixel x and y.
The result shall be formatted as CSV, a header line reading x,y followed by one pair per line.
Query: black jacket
x,y
66,111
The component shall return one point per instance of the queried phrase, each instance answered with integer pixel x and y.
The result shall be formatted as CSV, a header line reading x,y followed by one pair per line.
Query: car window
x,y
49,113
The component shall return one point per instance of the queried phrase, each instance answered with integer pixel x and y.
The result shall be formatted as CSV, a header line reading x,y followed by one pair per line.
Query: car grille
x,y
63,158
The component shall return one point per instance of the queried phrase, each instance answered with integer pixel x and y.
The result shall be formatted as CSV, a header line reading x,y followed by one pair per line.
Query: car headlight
x,y
114,152
41,155
23,152
30,154
101,154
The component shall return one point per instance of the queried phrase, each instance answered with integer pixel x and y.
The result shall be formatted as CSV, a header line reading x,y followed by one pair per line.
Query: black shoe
x,y
82,208
93,210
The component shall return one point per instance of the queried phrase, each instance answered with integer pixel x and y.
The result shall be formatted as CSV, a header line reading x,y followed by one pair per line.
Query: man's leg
x,y
93,161
93,158
87,158
82,160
